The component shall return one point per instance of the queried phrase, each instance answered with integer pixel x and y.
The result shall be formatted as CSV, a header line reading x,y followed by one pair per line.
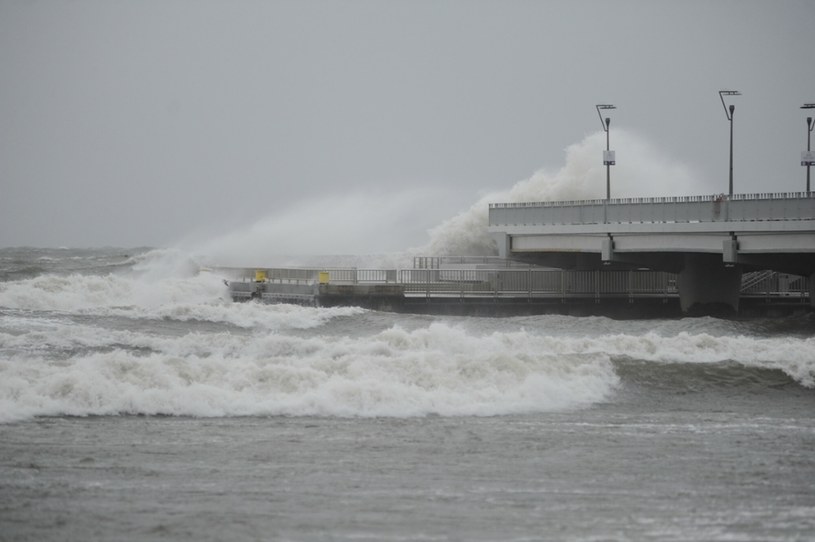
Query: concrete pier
x,y
712,288
706,285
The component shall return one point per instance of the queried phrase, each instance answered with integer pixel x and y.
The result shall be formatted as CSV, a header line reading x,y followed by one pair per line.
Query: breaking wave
x,y
60,368
434,370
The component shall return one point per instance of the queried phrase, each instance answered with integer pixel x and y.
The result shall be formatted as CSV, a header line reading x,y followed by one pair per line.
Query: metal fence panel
x,y
714,208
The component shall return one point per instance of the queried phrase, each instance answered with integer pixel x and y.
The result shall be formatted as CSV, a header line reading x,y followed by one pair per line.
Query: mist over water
x,y
349,230
387,230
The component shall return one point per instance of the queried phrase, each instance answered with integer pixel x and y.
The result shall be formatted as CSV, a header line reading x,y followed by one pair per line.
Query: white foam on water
x,y
162,284
441,368
793,356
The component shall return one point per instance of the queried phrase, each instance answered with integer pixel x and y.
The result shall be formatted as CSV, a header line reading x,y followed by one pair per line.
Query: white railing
x,y
713,208
537,283
297,275
523,283
506,281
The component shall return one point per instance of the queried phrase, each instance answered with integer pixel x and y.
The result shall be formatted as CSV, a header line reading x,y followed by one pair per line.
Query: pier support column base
x,y
707,286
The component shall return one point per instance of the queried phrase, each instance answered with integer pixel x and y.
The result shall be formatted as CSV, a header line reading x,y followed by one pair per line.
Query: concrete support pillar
x,y
607,249
503,241
707,286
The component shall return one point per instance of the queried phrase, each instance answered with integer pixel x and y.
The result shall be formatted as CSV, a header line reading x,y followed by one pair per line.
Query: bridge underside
x,y
709,266
672,262
707,240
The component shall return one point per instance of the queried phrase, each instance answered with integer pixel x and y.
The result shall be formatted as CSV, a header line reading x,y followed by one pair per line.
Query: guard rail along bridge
x,y
708,241
494,286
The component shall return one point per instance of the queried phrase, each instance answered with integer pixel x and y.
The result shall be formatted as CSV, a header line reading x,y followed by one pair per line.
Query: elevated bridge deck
x,y
708,240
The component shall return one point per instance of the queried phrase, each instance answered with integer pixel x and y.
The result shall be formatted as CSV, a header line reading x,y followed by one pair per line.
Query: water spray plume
x,y
376,227
642,172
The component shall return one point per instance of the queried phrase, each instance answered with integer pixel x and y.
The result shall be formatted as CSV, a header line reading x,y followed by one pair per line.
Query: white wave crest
x,y
439,369
87,292
162,284
56,366
793,356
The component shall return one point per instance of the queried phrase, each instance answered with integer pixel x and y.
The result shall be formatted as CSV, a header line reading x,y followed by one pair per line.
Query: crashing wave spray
x,y
354,229
643,171
366,224
62,367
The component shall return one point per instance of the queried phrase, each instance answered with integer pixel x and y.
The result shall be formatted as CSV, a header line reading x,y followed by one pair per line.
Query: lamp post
x,y
729,114
608,154
808,157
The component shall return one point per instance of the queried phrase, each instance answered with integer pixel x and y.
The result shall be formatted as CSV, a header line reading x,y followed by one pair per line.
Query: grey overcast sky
x,y
132,123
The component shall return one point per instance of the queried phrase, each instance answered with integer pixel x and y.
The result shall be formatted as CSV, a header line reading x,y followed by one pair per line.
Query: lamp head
x,y
607,121
722,94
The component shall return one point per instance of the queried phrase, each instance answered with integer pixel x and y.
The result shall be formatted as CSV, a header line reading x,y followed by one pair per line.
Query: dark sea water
x,y
137,402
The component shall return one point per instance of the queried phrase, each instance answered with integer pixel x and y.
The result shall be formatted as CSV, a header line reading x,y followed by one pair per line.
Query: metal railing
x,y
713,208
296,275
774,284
529,283
537,283
440,262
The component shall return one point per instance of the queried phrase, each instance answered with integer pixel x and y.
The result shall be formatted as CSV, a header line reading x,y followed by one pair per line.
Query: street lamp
x,y
729,114
808,157
608,155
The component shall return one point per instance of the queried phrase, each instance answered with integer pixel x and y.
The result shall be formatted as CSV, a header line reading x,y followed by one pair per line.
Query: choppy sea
x,y
137,402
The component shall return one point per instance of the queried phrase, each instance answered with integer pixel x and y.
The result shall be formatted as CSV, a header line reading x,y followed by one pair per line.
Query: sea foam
x,y
437,367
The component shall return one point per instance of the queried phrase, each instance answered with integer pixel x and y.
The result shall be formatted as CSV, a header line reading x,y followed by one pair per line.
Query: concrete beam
x,y
744,226
798,242
557,243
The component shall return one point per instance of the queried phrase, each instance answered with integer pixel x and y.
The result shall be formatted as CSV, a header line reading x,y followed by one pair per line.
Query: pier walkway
x,y
511,288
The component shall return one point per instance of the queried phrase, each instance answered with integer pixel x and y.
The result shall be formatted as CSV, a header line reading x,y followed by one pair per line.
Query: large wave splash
x,y
349,230
157,284
381,229
642,171
437,368
151,279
